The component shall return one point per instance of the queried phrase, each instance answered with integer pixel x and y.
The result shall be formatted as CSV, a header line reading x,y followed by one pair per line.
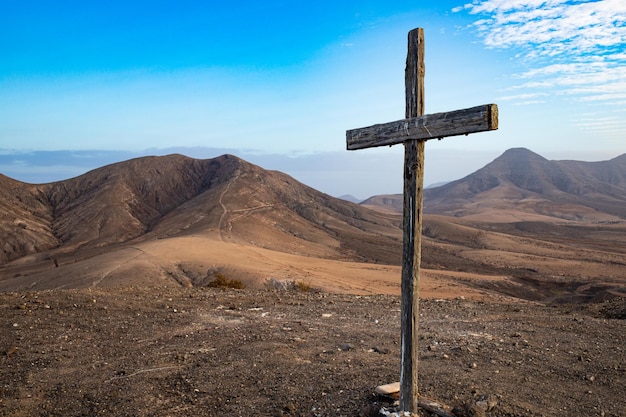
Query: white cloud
x,y
608,123
573,50
604,97
525,96
552,28
529,102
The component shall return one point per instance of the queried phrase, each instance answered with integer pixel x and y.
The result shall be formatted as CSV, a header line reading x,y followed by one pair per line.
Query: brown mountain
x,y
173,220
390,203
521,185
157,197
25,220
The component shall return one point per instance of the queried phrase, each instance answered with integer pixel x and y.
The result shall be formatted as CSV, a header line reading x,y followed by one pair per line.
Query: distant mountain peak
x,y
620,159
350,198
520,155
518,151
525,182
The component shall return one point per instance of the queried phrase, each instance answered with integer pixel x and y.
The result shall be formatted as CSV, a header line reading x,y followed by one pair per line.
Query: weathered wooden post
x,y
412,221
414,130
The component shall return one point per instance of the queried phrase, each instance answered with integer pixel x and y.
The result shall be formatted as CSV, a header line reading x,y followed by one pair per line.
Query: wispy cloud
x,y
574,49
552,27
525,96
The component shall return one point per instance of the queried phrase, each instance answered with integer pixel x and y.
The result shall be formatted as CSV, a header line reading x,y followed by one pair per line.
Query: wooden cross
x,y
414,131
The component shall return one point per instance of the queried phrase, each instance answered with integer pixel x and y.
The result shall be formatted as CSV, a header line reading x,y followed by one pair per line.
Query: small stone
x,y
388,389
487,402
474,365
382,351
11,351
346,346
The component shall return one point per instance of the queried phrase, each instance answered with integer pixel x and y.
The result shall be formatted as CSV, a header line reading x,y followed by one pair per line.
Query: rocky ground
x,y
214,352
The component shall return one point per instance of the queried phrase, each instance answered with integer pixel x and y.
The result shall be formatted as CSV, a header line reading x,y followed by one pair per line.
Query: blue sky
x,y
279,82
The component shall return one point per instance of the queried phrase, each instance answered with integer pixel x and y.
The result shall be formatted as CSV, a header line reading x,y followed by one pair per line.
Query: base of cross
x,y
393,391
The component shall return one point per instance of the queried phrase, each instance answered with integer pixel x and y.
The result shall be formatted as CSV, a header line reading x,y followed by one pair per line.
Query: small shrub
x,y
302,286
221,281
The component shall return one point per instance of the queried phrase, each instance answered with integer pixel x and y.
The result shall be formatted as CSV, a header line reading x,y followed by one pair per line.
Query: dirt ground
x,y
212,352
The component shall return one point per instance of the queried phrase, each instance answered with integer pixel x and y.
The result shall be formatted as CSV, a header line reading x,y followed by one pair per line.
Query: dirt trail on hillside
x,y
211,352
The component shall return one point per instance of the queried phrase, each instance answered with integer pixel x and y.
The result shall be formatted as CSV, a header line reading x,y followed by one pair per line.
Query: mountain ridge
x,y
174,220
532,186
174,194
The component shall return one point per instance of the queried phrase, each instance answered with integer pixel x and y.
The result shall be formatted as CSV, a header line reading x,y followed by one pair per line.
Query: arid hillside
x,y
179,221
523,186
116,295
157,197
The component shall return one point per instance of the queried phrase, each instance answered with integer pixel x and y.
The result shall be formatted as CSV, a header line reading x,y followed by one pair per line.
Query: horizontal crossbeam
x,y
430,126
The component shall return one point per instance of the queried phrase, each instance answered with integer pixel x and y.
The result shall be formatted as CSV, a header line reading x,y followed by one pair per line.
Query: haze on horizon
x,y
279,83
